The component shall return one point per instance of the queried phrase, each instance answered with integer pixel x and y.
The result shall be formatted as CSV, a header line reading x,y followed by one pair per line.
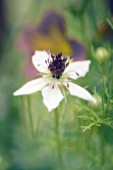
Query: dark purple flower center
x,y
57,65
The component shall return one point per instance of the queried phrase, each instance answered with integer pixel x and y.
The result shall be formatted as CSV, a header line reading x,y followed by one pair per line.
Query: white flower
x,y
56,73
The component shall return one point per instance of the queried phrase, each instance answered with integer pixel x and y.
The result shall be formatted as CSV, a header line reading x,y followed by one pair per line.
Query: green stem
x,y
110,85
102,146
30,116
102,87
58,139
21,110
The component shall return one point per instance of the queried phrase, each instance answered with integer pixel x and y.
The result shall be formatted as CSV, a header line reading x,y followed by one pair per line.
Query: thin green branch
x,y
58,138
30,116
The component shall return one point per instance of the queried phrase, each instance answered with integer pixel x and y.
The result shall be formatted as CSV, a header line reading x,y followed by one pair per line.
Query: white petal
x,y
51,96
31,87
77,69
78,91
39,61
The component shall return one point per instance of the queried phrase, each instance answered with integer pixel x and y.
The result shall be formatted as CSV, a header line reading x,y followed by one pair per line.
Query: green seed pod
x,y
101,54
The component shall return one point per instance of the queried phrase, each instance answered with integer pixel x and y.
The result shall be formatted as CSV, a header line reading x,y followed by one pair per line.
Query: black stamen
x,y
71,57
53,87
57,65
77,74
68,85
67,64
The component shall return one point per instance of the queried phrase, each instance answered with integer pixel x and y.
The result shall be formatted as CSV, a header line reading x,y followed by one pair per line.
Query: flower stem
x,y
102,147
110,85
58,138
30,116
103,87
21,110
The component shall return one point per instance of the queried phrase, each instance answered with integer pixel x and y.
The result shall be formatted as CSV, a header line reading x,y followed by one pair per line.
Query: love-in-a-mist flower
x,y
57,72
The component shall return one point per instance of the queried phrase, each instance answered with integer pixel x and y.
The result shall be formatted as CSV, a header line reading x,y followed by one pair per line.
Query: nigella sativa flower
x,y
56,70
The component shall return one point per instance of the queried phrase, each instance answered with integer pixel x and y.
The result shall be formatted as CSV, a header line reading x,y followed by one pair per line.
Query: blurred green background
x,y
67,26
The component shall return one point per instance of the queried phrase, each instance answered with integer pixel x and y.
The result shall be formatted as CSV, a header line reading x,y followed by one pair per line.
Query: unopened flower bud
x,y
101,54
